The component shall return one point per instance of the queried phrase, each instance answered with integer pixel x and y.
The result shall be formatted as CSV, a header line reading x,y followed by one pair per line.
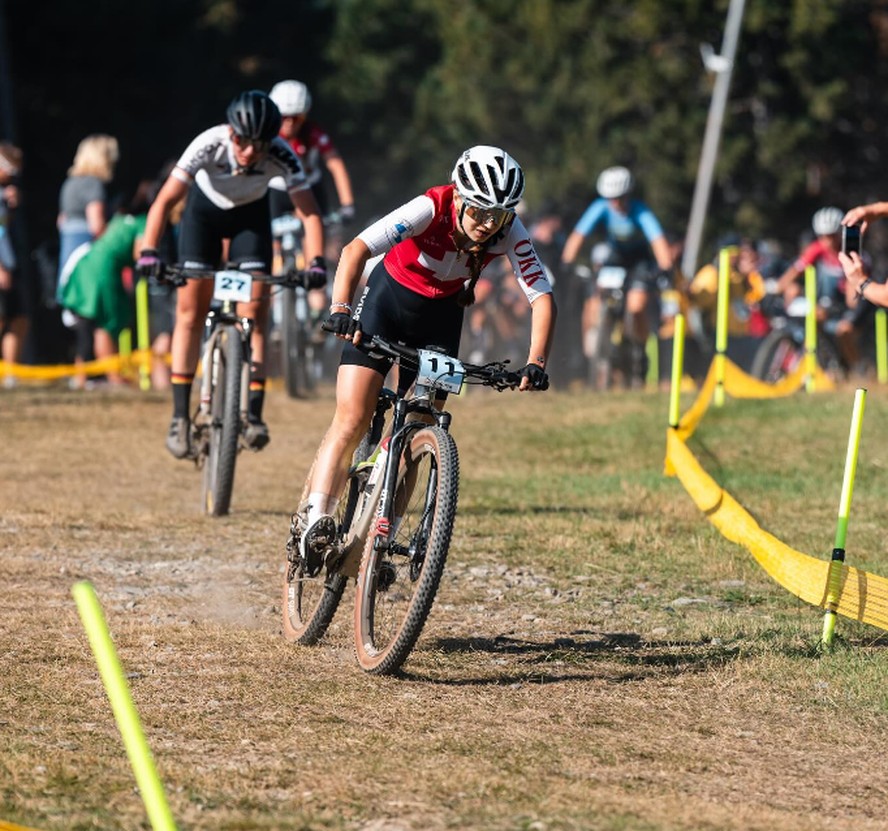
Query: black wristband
x,y
149,252
862,286
318,262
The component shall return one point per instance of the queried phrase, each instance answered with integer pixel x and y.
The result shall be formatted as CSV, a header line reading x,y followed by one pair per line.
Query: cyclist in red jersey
x,y
435,248
835,300
313,146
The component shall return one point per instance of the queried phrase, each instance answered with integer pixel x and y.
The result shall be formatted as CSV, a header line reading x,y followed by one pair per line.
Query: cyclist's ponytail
x,y
466,297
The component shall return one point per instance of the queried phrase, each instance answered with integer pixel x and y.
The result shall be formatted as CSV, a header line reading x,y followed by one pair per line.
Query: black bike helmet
x,y
254,116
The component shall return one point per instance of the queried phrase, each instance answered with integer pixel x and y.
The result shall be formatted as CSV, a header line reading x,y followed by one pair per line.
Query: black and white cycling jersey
x,y
209,162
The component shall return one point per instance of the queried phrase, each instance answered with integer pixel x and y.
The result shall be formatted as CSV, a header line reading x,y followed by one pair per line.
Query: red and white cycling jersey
x,y
420,253
209,162
312,145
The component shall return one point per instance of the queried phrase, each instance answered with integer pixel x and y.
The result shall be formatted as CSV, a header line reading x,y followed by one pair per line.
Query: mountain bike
x,y
395,518
783,348
302,344
220,418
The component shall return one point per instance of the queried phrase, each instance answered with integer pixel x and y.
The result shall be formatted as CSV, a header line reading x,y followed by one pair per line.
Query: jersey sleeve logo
x,y
398,232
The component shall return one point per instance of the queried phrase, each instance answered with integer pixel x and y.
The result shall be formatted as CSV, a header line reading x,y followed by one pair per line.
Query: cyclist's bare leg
x,y
846,339
257,310
104,346
591,320
192,303
357,390
638,329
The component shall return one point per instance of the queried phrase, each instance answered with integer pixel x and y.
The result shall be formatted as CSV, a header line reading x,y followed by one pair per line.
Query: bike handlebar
x,y
178,275
493,374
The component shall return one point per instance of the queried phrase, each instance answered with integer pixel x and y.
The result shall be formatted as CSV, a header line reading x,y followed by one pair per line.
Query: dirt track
x,y
555,686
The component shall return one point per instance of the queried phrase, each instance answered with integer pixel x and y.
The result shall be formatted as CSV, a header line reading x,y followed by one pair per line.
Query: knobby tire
x,y
395,592
298,349
226,365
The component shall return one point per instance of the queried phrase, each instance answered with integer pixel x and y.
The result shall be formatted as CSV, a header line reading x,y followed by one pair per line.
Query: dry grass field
x,y
598,656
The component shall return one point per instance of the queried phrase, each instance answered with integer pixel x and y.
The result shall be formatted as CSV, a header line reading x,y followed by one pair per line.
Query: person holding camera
x,y
854,265
836,311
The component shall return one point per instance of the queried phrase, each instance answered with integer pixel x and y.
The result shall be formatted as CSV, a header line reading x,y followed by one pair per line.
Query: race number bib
x,y
439,371
236,286
611,277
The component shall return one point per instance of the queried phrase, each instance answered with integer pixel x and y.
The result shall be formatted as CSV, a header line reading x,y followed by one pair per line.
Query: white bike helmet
x,y
614,182
827,221
292,97
488,177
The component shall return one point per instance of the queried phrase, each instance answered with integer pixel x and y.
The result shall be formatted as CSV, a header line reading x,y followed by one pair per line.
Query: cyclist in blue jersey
x,y
637,243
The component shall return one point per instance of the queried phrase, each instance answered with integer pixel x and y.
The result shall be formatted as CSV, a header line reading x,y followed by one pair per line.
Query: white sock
x,y
317,504
321,504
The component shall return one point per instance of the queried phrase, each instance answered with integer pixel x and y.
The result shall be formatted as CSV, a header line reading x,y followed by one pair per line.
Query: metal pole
x,y
703,186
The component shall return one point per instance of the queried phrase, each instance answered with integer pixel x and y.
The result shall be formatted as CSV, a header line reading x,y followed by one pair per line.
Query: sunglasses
x,y
245,143
494,217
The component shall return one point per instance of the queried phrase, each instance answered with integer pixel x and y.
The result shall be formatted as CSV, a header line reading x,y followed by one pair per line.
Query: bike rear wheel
x,y
225,368
397,585
605,349
297,347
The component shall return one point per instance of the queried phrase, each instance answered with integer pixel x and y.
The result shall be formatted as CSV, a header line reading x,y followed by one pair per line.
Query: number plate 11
x,y
439,371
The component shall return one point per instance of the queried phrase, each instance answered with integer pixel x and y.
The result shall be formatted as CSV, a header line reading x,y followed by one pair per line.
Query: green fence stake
x,y
723,302
810,328
122,705
834,575
143,333
881,346
678,344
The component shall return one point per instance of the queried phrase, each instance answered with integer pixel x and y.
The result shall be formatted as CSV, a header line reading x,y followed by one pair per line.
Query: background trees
x,y
568,86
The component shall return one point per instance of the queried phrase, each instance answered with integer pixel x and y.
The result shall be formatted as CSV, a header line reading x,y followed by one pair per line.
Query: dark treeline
x,y
568,86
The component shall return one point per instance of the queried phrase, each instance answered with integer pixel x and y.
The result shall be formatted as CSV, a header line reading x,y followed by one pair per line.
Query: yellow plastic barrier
x,y
54,372
861,595
830,585
738,384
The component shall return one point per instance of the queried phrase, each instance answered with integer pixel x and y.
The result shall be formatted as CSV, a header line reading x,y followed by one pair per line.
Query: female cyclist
x,y
233,166
435,248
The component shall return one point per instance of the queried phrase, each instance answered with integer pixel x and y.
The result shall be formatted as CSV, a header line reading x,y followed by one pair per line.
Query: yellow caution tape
x,y
126,365
740,385
861,596
8,826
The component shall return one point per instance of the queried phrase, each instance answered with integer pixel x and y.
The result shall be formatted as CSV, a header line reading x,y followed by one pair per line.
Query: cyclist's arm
x,y
572,247
865,213
172,191
307,210
352,262
341,179
662,252
587,223
542,326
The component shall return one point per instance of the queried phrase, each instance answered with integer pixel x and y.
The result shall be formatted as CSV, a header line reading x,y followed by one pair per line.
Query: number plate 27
x,y
439,371
236,286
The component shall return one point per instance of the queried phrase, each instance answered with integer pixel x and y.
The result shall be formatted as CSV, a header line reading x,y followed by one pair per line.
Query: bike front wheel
x,y
397,582
225,365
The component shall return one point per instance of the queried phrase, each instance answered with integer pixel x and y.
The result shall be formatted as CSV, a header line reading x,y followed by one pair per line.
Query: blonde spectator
x,y
82,211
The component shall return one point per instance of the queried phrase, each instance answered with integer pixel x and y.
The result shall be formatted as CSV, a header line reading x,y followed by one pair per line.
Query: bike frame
x,y
225,317
401,430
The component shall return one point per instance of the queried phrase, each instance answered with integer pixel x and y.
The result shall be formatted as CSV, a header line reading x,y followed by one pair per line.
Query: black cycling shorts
x,y
398,314
204,226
